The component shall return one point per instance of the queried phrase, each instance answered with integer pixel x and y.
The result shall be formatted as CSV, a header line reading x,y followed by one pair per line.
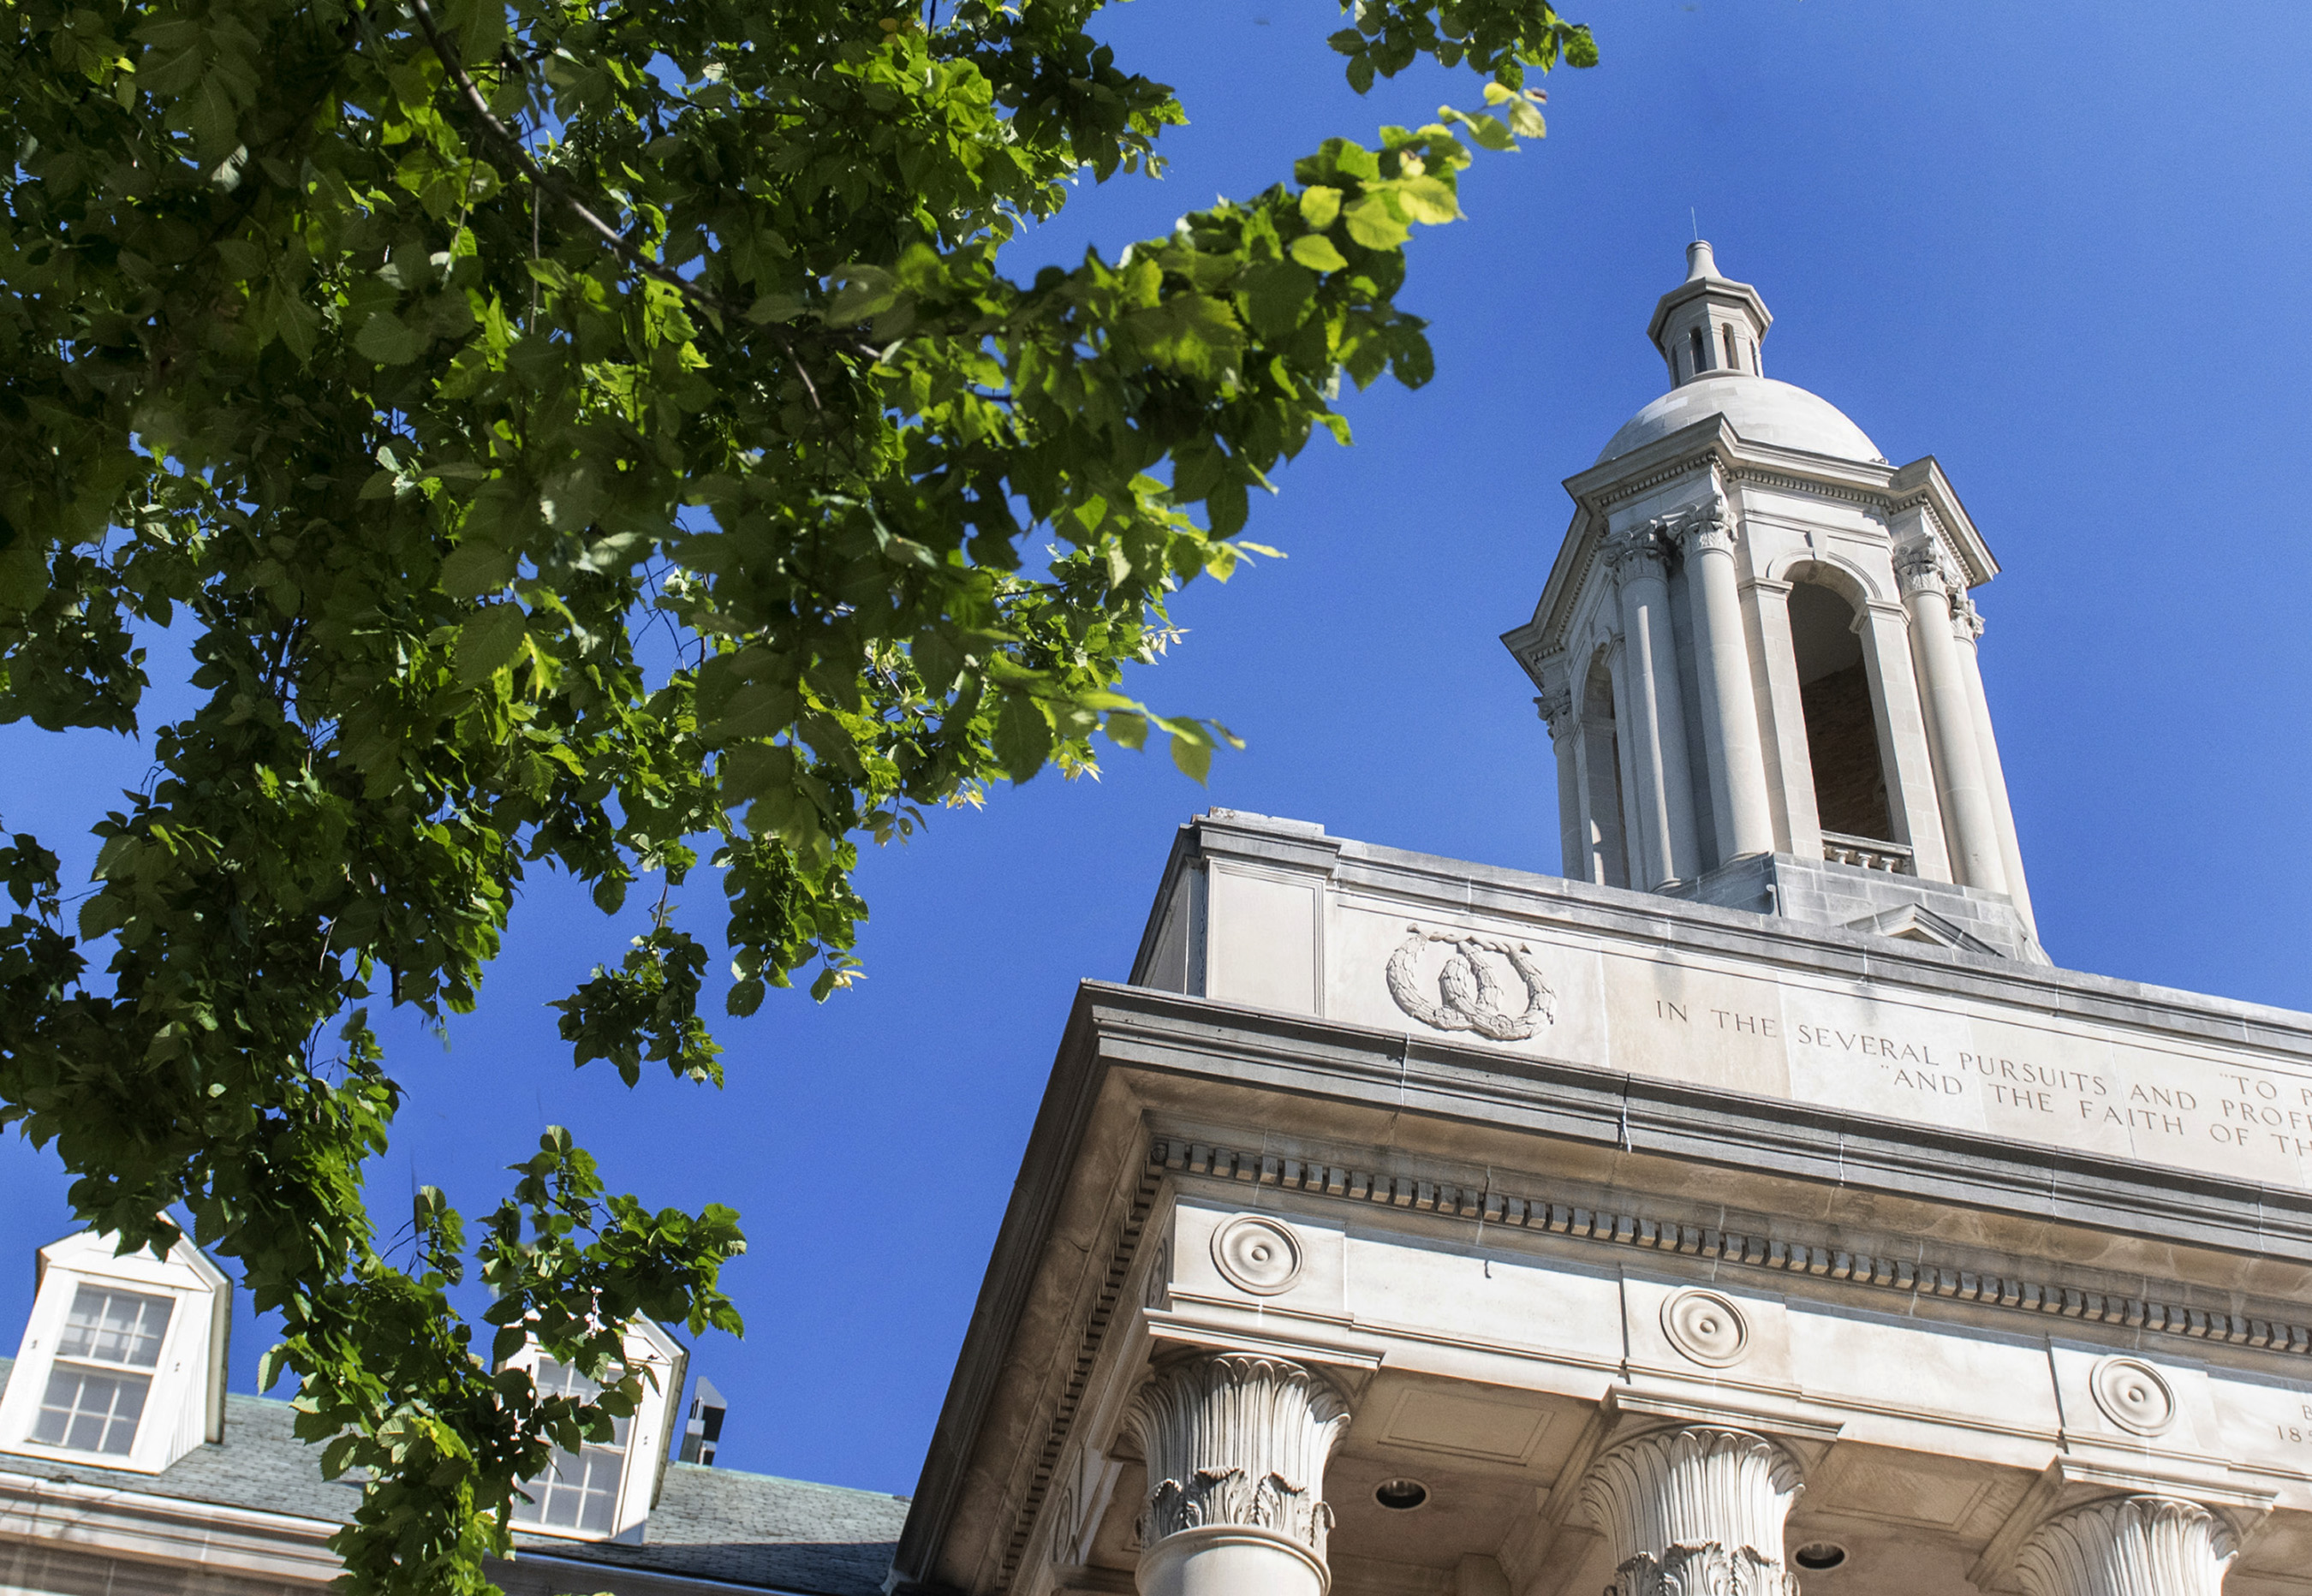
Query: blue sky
x,y
2061,247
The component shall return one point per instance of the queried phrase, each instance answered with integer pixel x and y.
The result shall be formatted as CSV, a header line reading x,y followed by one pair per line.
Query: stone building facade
x,y
1756,1209
1753,1211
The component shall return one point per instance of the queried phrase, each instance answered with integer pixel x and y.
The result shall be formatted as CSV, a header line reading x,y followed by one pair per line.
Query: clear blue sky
x,y
2062,247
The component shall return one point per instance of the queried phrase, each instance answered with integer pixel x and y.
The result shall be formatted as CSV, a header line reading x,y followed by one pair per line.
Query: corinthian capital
x,y
1556,706
2128,1546
1921,569
1695,1509
1966,620
1642,550
1705,525
1237,1439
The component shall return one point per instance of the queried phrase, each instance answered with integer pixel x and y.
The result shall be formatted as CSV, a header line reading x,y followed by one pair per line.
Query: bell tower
x,y
1756,655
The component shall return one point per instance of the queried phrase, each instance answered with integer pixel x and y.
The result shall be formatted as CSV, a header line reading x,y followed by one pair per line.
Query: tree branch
x,y
503,136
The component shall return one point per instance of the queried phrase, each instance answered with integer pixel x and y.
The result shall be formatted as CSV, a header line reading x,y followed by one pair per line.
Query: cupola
x,y
1709,325
1758,658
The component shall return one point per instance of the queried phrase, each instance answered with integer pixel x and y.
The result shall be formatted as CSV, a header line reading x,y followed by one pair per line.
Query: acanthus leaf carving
x,y
2128,1546
1696,1511
1235,1439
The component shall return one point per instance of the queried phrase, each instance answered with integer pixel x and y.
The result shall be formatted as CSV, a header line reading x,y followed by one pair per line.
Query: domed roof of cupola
x,y
1708,330
1760,410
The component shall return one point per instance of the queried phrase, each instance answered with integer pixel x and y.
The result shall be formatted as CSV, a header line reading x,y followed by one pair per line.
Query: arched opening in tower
x,y
1842,721
1601,762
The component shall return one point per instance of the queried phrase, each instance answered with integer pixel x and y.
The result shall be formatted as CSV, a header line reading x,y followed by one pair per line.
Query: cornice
x,y
179,1530
1623,1226
1887,490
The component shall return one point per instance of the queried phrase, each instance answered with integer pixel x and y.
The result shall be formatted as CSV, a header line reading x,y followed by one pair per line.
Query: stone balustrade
x,y
1866,853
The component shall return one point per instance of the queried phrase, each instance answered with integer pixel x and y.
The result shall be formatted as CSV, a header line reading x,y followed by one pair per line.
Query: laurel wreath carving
x,y
1469,993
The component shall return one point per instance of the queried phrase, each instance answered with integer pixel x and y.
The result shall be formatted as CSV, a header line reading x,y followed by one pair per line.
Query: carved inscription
x,y
1998,1092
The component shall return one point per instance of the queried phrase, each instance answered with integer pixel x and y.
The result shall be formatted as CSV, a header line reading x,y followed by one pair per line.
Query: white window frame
x,y
184,1396
649,1432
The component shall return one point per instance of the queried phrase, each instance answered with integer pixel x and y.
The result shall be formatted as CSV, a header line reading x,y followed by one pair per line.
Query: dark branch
x,y
503,136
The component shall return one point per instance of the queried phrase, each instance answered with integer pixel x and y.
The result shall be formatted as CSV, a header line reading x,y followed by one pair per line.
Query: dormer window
x,y
579,1490
112,1340
123,1360
605,1489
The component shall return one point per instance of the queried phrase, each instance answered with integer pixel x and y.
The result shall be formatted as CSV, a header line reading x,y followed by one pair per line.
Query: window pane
x,y
579,1490
91,1411
116,1327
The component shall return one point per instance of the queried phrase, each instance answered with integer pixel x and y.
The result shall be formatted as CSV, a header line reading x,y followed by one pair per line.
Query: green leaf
x,y
1372,221
1023,736
473,569
1319,204
1427,200
1192,753
1315,252
1275,296
488,642
386,340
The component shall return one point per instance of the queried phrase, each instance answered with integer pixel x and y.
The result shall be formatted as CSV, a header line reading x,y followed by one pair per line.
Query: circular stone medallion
x,y
2132,1396
1706,1328
1256,1254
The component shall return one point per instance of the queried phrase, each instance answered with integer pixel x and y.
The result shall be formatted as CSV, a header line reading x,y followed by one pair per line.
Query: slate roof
x,y
782,1535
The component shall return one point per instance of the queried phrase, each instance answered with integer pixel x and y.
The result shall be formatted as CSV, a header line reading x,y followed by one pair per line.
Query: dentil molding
x,y
1697,1508
1237,1439
2128,1546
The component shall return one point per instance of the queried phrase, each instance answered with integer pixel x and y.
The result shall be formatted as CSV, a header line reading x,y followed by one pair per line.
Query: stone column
x,y
1556,706
2128,1546
1656,729
1236,1448
1695,1509
1971,830
1730,710
1967,632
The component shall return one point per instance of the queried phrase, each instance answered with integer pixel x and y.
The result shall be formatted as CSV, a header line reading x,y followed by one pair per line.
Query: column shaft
x,y
1971,829
1573,849
1657,723
1730,714
1966,633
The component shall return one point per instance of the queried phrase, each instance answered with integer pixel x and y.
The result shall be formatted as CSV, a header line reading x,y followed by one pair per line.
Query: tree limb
x,y
503,136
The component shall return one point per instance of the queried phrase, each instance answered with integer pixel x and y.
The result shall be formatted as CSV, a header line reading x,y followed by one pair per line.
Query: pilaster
x,y
1903,740
1783,718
